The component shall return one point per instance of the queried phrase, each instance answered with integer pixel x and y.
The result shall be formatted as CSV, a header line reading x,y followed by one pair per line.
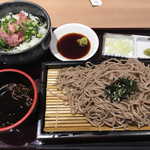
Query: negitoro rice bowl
x,y
20,31
25,32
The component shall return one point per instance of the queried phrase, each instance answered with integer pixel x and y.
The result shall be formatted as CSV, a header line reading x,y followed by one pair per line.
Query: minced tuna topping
x,y
12,30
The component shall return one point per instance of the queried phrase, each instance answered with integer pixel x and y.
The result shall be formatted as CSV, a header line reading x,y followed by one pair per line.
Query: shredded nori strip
x,y
121,89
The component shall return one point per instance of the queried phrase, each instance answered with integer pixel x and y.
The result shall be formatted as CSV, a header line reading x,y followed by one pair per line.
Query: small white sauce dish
x,y
74,28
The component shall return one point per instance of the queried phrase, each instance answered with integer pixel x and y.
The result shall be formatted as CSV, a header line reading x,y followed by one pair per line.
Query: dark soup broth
x,y
69,48
15,101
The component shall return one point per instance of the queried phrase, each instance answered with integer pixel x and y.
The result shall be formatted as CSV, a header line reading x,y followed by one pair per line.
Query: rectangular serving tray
x,y
80,135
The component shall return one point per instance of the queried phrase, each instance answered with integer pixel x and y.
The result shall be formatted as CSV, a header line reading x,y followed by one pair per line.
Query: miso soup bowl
x,y
18,77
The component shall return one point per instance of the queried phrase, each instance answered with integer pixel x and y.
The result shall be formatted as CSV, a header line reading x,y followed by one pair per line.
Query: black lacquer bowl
x,y
33,53
18,99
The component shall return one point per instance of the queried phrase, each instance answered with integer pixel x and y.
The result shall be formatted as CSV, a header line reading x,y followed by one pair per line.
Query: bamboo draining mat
x,y
58,117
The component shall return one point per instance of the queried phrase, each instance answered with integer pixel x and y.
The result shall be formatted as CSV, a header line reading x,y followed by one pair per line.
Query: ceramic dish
x,y
18,57
74,28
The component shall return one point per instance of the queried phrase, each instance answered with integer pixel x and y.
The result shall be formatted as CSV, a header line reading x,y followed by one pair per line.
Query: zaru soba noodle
x,y
85,90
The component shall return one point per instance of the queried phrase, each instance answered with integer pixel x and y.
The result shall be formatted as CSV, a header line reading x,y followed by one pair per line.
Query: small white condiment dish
x,y
74,28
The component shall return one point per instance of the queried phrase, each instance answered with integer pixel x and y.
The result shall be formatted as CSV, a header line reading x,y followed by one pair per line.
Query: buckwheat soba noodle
x,y
84,91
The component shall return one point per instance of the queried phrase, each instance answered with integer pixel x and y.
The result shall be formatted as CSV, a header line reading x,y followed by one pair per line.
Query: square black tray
x,y
92,136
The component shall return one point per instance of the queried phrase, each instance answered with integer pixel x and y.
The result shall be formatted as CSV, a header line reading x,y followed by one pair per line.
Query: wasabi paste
x,y
147,52
83,41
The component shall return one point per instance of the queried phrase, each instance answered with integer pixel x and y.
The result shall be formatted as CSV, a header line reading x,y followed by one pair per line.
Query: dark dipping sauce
x,y
68,47
15,101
